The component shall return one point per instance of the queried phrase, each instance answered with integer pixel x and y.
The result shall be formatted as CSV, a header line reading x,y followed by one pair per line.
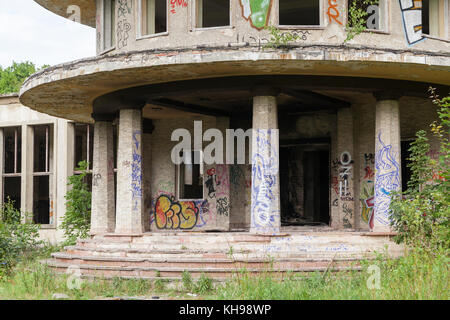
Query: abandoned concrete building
x,y
342,114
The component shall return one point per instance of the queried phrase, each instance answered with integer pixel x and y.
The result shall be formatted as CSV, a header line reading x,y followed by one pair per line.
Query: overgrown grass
x,y
416,276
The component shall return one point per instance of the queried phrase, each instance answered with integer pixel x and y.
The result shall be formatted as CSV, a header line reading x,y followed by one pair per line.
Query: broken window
x,y
405,156
213,13
12,165
190,176
154,16
299,13
375,13
433,17
42,173
84,144
109,21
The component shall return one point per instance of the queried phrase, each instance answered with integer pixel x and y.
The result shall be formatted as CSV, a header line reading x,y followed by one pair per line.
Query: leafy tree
x,y
12,78
77,220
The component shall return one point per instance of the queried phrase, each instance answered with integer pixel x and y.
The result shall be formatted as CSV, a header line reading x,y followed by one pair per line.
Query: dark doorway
x,y
304,185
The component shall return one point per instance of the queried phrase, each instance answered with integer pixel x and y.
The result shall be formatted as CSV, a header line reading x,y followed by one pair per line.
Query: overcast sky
x,y
30,32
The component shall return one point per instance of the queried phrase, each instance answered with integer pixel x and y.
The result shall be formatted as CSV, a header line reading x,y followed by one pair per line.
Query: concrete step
x,y
176,272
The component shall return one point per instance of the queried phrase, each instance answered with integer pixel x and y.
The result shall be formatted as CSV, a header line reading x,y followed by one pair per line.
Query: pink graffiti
x,y
177,3
369,173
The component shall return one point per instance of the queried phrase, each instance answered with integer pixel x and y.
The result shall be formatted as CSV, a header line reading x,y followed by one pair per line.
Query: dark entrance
x,y
304,185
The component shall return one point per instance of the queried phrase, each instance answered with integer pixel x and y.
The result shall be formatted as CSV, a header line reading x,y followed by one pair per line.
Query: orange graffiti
x,y
333,11
170,214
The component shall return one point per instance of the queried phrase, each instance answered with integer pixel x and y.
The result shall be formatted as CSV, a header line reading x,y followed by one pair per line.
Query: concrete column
x,y
387,157
103,207
265,209
129,213
346,197
26,194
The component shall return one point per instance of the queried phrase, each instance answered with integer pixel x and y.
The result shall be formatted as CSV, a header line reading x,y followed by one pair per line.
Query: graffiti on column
x,y
265,167
333,12
256,12
136,170
412,20
387,180
211,182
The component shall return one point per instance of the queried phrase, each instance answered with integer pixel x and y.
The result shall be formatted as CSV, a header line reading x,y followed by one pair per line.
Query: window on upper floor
x,y
212,13
299,13
109,22
376,13
434,17
12,162
153,17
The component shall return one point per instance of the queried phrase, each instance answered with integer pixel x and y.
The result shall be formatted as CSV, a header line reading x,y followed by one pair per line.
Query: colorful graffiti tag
x,y
257,12
412,20
333,12
367,204
387,180
265,167
170,214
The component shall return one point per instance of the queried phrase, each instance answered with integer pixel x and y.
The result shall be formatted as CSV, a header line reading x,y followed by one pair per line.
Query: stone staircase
x,y
219,255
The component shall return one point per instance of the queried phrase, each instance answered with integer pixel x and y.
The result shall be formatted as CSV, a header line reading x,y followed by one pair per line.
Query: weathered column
x,y
387,157
103,206
265,209
129,213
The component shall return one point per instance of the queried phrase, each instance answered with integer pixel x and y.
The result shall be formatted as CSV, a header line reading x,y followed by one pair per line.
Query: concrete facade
x,y
326,166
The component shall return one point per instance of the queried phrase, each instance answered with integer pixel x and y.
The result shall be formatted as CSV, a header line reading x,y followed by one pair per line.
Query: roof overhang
x,y
62,8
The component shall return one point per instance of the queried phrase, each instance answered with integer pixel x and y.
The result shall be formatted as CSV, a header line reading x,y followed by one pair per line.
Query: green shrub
x,y
77,220
16,238
421,214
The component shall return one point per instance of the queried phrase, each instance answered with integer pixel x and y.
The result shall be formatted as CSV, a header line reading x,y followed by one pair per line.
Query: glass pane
x,y
41,200
13,150
12,190
213,13
41,148
295,12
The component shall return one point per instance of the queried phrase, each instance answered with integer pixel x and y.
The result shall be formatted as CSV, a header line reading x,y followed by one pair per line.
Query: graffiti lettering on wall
x,y
412,20
265,167
333,12
123,26
223,207
302,35
211,182
256,12
172,215
223,180
177,3
387,180
348,215
96,179
136,170
345,174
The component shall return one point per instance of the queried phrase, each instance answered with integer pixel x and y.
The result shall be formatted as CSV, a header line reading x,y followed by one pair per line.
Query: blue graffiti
x,y
387,180
265,210
136,171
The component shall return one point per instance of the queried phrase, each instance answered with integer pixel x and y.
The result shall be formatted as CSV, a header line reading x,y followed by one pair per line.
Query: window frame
x,y
49,171
178,179
105,49
320,26
445,35
17,171
195,15
140,23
